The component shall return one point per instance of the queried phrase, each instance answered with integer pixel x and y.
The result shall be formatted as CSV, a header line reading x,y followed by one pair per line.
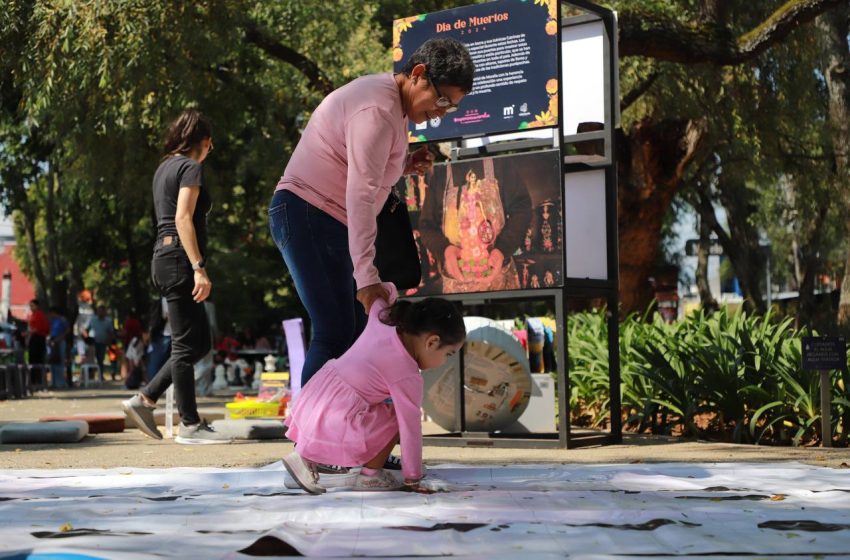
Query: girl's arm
x,y
407,400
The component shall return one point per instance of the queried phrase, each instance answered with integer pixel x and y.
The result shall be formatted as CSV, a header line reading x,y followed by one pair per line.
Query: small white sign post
x,y
824,354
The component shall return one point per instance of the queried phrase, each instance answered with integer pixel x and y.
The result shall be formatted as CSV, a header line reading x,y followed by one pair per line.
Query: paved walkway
x,y
132,449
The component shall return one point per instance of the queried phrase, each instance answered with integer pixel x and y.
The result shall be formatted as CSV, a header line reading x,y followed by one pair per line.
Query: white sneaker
x,y
381,481
303,472
200,434
327,481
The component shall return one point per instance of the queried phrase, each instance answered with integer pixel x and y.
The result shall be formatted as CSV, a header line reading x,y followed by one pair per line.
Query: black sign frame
x,y
515,46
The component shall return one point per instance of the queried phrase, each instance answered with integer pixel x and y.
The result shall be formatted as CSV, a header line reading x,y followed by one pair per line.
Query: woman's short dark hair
x,y
431,315
186,132
448,63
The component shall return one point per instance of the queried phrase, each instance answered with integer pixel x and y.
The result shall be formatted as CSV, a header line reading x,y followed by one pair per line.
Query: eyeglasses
x,y
442,101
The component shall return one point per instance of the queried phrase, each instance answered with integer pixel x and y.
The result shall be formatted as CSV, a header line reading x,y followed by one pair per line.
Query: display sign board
x,y
514,45
824,352
488,224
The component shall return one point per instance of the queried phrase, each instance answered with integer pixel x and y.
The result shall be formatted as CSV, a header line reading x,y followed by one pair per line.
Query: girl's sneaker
x,y
383,480
304,473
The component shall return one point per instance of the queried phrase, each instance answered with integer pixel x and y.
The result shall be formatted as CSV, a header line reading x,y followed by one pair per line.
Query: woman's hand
x,y
420,162
367,295
203,286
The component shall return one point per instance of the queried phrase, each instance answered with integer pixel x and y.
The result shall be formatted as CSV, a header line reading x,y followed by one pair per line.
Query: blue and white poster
x,y
514,45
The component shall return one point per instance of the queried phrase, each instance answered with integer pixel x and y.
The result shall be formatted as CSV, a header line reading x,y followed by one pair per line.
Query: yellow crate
x,y
252,409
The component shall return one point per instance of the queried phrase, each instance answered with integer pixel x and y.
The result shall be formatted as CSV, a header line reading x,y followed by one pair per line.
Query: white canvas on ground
x,y
541,511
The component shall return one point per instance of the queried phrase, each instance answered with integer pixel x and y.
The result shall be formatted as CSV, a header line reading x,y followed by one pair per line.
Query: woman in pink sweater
x,y
351,153
341,417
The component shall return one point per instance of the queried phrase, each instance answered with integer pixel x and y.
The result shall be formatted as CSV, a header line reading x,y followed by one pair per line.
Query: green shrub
x,y
727,376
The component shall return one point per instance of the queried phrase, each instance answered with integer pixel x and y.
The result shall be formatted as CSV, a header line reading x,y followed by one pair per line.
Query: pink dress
x,y
340,417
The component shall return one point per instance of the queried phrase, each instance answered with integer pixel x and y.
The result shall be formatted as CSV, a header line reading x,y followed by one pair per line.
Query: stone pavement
x,y
132,449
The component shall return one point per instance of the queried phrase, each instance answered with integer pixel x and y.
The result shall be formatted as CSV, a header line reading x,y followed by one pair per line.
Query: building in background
x,y
16,290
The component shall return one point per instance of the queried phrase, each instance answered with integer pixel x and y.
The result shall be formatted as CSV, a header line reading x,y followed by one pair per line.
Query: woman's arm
x,y
187,198
369,143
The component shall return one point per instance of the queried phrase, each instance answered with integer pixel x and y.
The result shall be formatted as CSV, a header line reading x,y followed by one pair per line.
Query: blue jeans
x,y
314,246
57,364
160,350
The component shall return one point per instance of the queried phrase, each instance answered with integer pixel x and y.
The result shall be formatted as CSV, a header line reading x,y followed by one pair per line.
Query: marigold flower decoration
x,y
399,27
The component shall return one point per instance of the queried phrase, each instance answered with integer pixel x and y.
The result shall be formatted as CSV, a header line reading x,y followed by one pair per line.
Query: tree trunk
x,y
138,293
836,26
706,298
32,251
55,290
809,267
651,163
741,244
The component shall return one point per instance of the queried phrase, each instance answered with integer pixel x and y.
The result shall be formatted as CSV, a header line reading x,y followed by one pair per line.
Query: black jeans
x,y
190,330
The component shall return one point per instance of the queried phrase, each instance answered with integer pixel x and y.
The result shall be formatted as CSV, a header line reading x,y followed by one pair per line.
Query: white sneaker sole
x,y
292,469
327,480
192,441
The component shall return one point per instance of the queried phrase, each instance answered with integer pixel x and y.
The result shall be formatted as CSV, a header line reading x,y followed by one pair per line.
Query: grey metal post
x,y
825,409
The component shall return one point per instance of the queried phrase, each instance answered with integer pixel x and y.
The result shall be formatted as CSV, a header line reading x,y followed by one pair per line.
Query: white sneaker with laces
x,y
327,481
381,481
303,472
200,434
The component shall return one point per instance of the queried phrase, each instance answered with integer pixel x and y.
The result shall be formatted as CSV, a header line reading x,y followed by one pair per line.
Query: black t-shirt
x,y
174,173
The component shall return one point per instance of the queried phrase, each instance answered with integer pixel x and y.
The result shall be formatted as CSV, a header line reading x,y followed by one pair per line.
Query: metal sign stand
x,y
574,287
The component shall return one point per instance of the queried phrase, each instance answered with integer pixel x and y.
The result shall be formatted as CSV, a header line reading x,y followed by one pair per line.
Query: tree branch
x,y
318,81
635,93
671,41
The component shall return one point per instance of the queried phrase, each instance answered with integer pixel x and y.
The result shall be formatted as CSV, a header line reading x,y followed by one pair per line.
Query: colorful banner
x,y
514,45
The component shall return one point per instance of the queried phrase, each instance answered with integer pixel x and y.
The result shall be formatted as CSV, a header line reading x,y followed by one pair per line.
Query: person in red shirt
x,y
132,329
38,329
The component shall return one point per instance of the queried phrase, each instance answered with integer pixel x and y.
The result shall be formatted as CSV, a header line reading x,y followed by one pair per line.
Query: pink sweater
x,y
352,152
378,366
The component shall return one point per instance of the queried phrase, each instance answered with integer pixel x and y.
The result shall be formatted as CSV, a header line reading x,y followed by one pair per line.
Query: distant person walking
x,y
181,203
38,329
160,338
59,330
101,329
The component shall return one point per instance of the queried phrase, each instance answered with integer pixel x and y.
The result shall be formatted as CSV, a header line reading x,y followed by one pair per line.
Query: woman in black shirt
x,y
181,203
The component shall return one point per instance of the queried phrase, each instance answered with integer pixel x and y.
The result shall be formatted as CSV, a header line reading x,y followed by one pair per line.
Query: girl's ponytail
x,y
431,315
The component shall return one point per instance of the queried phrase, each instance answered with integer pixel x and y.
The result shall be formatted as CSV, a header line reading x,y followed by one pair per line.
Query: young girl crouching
x,y
341,416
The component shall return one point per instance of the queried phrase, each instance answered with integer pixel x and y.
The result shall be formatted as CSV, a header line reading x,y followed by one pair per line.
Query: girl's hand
x,y
414,486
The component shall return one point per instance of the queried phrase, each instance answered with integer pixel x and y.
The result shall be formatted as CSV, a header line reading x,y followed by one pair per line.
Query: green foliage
x,y
728,376
87,89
